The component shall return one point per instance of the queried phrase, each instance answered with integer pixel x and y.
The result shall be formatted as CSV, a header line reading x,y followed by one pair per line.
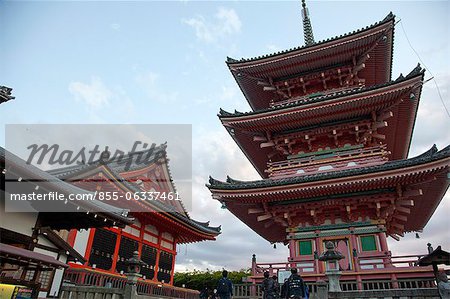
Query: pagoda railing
x,y
88,277
254,291
333,160
369,264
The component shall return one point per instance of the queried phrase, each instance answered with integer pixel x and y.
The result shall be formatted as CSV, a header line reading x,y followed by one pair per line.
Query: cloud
x,y
225,22
95,94
115,26
101,101
432,121
216,154
150,82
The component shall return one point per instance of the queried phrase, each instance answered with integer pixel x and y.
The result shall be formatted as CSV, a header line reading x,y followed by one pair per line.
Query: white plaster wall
x,y
18,222
57,279
46,252
81,240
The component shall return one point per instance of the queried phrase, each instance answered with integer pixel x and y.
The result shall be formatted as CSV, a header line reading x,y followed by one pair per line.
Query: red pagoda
x,y
158,227
330,133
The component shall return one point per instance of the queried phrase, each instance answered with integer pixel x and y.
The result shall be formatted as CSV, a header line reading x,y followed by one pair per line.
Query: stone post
x,y
322,292
133,268
331,258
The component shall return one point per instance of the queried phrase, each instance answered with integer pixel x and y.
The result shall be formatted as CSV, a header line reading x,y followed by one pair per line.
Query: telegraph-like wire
x,y
428,70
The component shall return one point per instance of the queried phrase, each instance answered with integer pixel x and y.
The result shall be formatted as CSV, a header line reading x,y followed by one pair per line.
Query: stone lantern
x,y
134,268
331,258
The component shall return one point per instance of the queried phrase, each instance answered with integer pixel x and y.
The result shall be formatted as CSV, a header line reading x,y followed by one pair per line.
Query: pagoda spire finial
x,y
307,28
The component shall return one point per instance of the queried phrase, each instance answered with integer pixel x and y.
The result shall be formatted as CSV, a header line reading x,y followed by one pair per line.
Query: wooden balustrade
x,y
337,160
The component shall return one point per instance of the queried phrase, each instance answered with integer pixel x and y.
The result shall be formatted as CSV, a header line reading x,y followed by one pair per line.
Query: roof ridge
x,y
386,19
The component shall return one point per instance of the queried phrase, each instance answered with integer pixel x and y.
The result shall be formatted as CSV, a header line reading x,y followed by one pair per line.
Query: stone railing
x,y
90,280
400,293
377,289
78,292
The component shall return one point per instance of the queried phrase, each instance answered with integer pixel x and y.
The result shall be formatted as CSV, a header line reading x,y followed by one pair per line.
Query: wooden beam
x,y
267,144
385,115
405,202
403,209
379,124
259,138
264,217
378,136
255,210
410,193
400,217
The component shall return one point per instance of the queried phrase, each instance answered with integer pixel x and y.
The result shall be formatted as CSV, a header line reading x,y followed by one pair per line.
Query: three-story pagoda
x,y
330,133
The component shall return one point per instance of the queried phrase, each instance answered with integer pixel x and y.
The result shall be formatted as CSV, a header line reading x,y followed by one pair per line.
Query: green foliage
x,y
198,280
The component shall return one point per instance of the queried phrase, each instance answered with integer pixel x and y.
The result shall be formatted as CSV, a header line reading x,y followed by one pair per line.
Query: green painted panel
x,y
305,247
368,243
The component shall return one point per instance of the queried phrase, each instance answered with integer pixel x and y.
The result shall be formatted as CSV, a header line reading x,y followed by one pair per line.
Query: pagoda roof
x,y
114,216
429,156
177,216
240,195
437,257
338,106
334,51
5,94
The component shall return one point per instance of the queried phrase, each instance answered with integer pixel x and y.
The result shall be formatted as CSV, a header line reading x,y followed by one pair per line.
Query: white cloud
x,y
225,22
101,101
95,94
115,26
150,82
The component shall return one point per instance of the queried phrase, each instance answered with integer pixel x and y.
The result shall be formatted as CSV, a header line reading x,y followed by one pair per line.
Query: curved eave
x,y
49,182
360,103
427,172
332,52
187,230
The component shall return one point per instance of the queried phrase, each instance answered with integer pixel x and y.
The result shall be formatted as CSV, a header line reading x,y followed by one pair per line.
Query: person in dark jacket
x,y
284,289
295,287
277,286
268,287
224,286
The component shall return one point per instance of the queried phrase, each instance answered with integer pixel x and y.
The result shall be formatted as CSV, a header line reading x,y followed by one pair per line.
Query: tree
x,y
198,280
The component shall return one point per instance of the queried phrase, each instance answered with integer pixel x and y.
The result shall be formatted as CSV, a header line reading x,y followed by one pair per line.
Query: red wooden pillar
x,y
71,237
359,282
354,244
173,261
141,240
384,249
158,253
87,253
116,251
319,251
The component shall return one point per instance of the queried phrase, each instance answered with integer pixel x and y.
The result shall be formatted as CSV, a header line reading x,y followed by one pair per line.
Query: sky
x,y
146,62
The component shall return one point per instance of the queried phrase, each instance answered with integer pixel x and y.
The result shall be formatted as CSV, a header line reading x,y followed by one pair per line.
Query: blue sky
x,y
163,62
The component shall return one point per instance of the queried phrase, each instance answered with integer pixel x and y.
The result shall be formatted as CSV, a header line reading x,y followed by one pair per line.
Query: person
x,y
443,285
268,287
284,289
277,286
224,286
295,288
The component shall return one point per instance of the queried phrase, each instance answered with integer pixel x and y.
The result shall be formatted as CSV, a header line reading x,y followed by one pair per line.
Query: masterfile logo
x,y
61,167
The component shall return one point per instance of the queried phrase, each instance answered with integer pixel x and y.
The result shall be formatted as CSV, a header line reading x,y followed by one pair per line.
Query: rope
x,y
428,70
